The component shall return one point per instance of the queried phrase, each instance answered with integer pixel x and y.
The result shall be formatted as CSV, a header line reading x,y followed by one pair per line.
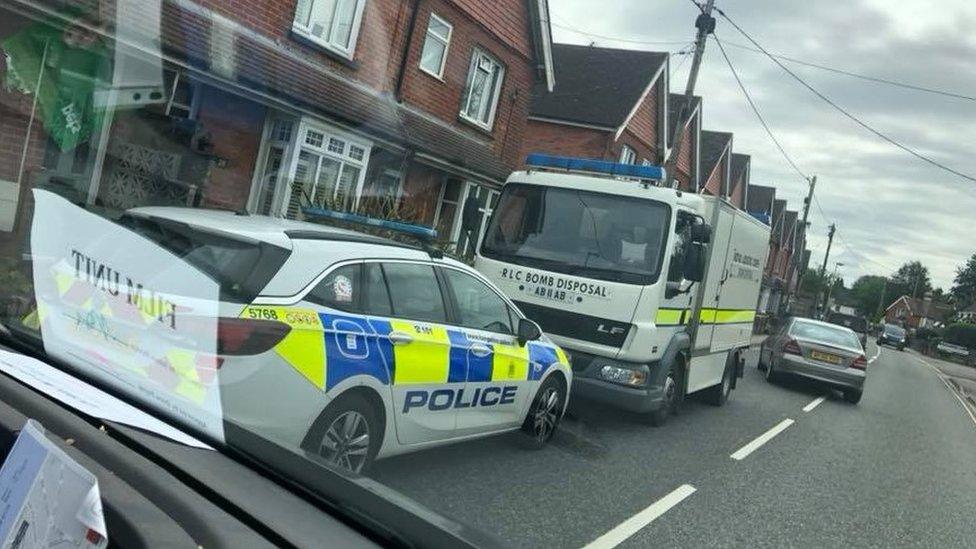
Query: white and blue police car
x,y
356,347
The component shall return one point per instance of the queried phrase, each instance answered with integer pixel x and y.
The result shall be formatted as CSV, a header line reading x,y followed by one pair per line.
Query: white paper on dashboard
x,y
127,312
46,498
87,399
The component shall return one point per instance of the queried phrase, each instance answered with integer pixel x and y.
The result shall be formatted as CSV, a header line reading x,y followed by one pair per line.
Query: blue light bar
x,y
540,160
419,231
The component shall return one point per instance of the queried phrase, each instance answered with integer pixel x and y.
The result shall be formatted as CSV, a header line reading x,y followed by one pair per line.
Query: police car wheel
x,y
349,434
543,418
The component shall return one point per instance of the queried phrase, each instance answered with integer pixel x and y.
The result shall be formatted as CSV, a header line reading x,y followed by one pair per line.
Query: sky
x,y
889,207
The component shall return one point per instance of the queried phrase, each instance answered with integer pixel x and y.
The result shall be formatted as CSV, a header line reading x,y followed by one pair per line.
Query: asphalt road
x,y
898,469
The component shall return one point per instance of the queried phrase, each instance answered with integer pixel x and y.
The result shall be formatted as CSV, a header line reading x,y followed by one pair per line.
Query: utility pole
x,y
705,24
884,290
823,269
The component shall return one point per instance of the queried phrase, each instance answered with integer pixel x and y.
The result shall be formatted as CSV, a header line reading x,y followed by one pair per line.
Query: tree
x,y
911,279
964,287
866,293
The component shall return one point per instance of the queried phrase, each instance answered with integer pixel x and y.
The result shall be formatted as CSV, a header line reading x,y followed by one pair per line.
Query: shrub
x,y
962,334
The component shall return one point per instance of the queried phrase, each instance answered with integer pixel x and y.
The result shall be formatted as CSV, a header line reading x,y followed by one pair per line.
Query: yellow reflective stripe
x,y
706,316
509,362
304,346
427,359
184,365
734,316
561,355
669,316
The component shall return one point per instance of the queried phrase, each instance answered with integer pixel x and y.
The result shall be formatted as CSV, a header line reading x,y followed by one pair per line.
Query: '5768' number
x,y
266,314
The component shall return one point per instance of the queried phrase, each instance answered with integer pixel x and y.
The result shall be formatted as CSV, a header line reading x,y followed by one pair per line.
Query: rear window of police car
x,y
241,266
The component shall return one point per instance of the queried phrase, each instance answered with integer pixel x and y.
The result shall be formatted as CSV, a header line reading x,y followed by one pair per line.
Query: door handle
x,y
480,350
400,338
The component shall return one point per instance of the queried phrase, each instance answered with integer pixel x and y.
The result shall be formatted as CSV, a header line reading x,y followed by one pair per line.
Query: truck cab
x,y
610,265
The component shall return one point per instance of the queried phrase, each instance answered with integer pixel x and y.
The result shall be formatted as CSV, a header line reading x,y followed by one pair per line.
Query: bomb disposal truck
x,y
651,291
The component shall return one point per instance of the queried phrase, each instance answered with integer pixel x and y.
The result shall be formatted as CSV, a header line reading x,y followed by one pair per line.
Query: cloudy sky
x,y
889,206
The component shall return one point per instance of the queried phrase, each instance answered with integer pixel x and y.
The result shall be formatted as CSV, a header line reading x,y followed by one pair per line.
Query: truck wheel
x,y
544,415
719,394
771,376
659,417
347,434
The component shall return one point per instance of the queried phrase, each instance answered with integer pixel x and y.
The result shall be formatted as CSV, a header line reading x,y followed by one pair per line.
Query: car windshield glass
x,y
896,331
823,333
437,267
603,236
856,323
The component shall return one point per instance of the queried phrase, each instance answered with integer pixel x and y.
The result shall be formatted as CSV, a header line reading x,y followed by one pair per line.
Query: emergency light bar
x,y
417,231
589,165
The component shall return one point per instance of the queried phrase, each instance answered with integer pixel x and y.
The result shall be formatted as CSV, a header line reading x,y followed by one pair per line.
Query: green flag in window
x,y
62,67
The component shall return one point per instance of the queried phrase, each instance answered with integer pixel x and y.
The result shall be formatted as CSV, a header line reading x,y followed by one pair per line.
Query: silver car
x,y
816,350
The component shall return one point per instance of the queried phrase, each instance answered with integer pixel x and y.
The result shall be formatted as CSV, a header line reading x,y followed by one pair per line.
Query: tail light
x,y
240,336
861,363
792,348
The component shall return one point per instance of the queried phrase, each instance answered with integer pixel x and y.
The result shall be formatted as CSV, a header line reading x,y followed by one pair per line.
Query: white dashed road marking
x,y
634,524
741,453
816,402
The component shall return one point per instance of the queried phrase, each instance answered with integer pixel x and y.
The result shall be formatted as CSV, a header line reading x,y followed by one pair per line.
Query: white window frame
x,y
476,55
628,155
434,36
297,144
303,30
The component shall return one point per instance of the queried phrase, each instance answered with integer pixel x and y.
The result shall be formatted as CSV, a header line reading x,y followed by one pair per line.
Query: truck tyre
x,y
771,376
347,434
544,415
660,416
719,394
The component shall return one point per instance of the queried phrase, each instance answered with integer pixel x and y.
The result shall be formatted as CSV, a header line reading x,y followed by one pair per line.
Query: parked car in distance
x,y
816,350
858,324
947,348
893,335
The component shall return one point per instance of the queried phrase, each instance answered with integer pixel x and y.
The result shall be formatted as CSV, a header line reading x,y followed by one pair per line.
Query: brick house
x,y
739,180
688,165
915,313
404,108
716,162
607,104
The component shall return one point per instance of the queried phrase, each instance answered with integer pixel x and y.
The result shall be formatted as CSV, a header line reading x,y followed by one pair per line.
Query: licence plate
x,y
825,357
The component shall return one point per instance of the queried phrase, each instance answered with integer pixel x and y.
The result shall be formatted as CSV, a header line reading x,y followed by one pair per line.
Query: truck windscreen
x,y
596,235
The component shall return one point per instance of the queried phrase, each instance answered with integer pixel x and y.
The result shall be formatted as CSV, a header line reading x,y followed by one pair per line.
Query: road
x,y
899,469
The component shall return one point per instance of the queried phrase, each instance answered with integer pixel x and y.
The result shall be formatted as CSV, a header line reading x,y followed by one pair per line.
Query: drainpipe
x,y
402,72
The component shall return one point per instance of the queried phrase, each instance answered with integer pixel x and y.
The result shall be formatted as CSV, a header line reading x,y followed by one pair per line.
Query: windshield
x,y
896,331
855,323
603,236
826,334
525,268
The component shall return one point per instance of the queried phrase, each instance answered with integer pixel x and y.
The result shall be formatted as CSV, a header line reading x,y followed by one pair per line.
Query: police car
x,y
357,347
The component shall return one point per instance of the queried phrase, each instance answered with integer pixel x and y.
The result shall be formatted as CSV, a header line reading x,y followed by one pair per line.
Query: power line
x,y
615,39
855,119
755,110
857,75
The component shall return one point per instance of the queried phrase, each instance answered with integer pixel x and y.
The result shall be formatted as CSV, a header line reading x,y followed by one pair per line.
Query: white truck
x,y
651,291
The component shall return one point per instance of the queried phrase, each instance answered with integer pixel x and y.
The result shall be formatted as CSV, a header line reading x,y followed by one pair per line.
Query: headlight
x,y
624,376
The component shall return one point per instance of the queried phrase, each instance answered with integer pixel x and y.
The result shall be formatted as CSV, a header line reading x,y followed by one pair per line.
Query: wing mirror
x,y
701,233
528,331
694,267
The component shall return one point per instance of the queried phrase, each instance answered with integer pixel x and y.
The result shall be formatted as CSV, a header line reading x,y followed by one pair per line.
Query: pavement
x,y
896,470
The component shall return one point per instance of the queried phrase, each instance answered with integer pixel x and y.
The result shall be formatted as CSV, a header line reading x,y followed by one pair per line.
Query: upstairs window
x,y
628,155
484,84
435,46
333,24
